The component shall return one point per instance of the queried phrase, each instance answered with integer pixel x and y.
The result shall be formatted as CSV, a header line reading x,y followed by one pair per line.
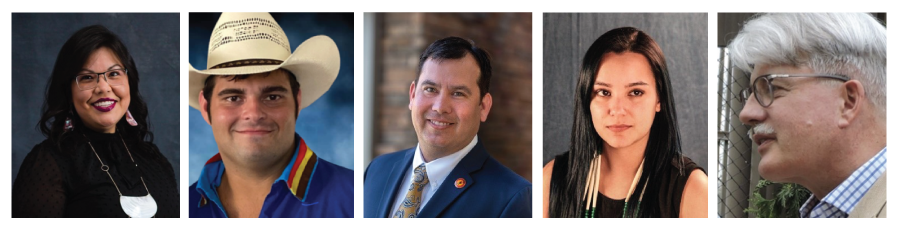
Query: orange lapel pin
x,y
460,183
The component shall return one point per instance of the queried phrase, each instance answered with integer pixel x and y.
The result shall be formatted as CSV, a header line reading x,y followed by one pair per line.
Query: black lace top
x,y
70,183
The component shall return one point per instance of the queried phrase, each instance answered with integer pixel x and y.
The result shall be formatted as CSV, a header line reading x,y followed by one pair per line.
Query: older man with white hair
x,y
817,105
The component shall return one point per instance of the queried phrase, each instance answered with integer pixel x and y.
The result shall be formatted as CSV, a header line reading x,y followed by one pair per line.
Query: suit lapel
x,y
398,172
448,191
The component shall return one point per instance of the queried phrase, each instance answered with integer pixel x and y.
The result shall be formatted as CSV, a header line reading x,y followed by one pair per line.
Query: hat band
x,y
247,62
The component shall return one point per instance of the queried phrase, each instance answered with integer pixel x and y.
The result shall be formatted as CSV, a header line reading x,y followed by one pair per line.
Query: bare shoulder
x,y
548,170
548,173
694,199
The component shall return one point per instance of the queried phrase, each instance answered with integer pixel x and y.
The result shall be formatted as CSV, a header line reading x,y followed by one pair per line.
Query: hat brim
x,y
315,64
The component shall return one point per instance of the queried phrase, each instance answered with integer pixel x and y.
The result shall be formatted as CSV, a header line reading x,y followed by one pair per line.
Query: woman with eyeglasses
x,y
98,159
624,159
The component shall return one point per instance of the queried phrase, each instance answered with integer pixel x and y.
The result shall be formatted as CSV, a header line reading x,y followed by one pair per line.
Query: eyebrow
x,y
110,68
461,88
428,82
230,91
633,84
452,87
274,89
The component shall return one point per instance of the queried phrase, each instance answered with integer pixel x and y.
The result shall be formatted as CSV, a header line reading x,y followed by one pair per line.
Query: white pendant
x,y
138,207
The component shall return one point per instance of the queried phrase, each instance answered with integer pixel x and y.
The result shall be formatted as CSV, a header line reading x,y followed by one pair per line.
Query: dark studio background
x,y
683,39
152,40
326,125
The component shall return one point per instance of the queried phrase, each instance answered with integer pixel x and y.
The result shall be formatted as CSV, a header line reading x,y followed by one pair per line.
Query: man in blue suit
x,y
449,173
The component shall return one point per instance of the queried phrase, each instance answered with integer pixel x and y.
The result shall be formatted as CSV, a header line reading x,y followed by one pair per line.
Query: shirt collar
x,y
438,169
295,176
300,170
844,198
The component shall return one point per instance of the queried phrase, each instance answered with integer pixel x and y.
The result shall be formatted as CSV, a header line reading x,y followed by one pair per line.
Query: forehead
x,y
619,69
101,59
463,71
254,82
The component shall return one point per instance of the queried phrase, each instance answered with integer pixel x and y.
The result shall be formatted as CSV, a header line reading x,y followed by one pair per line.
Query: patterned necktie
x,y
410,206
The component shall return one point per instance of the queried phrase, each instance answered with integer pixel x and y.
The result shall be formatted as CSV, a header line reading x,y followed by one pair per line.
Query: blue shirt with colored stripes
x,y
308,187
841,201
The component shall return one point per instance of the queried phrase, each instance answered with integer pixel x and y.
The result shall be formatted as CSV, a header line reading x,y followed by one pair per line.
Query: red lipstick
x,y
104,104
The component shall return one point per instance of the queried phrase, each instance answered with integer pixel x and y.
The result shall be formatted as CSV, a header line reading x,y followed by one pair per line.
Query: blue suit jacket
x,y
490,191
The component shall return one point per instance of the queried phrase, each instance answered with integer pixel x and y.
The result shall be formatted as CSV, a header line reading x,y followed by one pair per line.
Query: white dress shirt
x,y
437,170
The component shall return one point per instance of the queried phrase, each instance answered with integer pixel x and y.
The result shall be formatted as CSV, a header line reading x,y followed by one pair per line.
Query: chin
x,y
771,172
434,143
435,140
619,143
253,154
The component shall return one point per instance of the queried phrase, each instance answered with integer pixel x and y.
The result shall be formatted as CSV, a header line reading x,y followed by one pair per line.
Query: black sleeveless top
x,y
669,195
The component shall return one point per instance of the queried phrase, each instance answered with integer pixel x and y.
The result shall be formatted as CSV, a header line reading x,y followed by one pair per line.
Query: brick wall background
x,y
401,38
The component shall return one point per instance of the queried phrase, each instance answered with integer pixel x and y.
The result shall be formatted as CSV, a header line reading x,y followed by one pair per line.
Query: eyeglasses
x,y
114,77
764,91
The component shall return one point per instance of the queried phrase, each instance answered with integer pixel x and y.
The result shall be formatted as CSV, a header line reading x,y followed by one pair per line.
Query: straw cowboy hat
x,y
251,43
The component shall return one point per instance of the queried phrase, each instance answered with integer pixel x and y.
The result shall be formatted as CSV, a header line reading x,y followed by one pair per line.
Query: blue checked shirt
x,y
841,201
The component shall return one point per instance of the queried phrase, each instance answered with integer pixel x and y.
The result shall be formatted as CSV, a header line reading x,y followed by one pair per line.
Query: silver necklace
x,y
135,207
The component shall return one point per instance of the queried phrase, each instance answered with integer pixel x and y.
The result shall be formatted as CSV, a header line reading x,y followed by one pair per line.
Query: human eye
x,y
602,92
84,77
430,89
231,99
778,91
274,97
115,73
636,92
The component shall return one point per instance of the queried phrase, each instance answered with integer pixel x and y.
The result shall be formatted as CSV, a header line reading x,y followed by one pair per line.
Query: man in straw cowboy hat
x,y
251,94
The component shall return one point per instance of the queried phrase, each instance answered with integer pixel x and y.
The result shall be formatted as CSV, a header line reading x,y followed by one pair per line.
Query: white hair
x,y
848,44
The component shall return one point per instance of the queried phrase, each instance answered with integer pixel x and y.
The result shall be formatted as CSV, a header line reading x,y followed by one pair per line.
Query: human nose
x,y
752,112
616,106
102,85
253,111
441,104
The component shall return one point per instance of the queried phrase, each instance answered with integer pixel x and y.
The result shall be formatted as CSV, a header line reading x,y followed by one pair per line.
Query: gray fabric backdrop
x,y
152,40
683,38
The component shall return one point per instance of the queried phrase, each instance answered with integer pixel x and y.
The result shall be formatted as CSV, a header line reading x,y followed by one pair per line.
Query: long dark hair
x,y
663,147
58,96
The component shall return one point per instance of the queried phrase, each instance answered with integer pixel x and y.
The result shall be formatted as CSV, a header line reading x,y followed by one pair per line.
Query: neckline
x,y
609,198
94,135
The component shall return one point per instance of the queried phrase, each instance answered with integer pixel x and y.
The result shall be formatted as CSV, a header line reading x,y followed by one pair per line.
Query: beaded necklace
x,y
593,187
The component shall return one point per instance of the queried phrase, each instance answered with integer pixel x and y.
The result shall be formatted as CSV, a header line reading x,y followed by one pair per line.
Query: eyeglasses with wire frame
x,y
114,77
763,90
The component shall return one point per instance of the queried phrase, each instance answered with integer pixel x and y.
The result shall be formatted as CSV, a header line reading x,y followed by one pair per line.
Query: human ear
x,y
657,106
203,106
486,103
299,101
852,96
412,93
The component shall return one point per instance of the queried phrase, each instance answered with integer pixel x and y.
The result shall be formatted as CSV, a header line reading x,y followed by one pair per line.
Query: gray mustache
x,y
761,128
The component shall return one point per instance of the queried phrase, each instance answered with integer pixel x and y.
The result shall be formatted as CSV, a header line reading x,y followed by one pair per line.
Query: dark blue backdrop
x,y
152,40
326,125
